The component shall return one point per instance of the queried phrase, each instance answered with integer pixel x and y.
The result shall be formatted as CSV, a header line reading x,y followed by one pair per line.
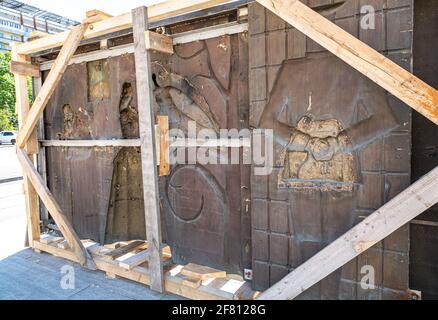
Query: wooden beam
x,y
24,69
148,147
134,260
30,196
396,213
210,32
158,42
95,12
163,125
181,38
50,83
393,78
91,143
94,16
118,252
159,11
55,210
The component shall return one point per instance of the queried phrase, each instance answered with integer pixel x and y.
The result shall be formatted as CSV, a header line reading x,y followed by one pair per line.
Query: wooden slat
x,y
163,125
202,272
158,42
402,84
48,239
135,260
91,143
66,254
24,69
52,206
156,12
50,83
148,147
396,213
116,253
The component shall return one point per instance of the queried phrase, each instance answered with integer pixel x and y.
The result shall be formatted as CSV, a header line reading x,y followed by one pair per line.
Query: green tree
x,y
8,117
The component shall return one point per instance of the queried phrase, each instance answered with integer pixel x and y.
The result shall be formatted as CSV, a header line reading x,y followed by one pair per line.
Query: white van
x,y
8,137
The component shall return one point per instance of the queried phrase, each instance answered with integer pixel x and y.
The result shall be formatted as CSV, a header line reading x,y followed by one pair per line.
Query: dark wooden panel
x,y
424,239
81,178
202,203
314,102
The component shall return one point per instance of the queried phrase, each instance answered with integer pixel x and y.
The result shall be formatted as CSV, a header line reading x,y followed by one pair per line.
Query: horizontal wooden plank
x,y
24,69
210,32
120,251
196,271
135,260
156,12
158,42
91,143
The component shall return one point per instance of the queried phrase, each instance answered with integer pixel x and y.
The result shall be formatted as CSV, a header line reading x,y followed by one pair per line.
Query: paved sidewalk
x,y
10,169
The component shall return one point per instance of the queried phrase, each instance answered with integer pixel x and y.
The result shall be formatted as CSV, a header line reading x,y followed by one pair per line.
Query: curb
x,y
10,179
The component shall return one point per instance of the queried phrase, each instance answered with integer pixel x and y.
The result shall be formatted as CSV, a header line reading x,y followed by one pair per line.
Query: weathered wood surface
x,y
148,149
157,12
24,69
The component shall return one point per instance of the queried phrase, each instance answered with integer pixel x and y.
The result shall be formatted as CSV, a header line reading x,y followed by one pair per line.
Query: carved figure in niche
x,y
322,111
125,220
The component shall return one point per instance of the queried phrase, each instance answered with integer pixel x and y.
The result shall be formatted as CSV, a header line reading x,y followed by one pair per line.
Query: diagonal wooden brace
x,y
396,213
401,83
55,210
51,82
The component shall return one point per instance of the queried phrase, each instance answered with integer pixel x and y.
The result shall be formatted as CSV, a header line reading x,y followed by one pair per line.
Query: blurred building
x,y
18,20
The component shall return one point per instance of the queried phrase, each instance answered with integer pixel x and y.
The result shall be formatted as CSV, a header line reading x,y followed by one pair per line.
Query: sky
x,y
75,9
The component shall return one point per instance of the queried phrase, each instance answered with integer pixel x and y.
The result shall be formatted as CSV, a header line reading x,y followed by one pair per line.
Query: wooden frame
x,y
402,84
148,147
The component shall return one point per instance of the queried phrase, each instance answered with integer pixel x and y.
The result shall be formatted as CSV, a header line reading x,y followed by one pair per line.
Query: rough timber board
x,y
157,12
173,283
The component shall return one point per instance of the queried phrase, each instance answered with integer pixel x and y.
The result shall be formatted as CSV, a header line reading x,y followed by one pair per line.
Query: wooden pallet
x,y
129,260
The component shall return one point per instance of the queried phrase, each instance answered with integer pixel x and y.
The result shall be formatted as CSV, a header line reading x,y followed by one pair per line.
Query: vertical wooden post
x,y
148,148
31,197
41,157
